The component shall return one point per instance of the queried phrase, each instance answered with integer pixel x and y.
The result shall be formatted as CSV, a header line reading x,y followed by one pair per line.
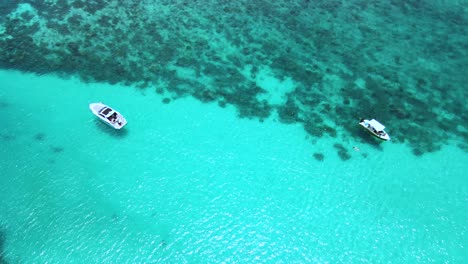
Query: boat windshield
x,y
105,111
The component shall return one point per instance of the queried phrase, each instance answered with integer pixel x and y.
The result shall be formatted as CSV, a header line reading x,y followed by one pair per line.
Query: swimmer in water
x,y
356,148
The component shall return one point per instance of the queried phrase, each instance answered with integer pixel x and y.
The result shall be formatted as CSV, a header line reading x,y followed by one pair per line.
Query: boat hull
x,y
369,129
119,121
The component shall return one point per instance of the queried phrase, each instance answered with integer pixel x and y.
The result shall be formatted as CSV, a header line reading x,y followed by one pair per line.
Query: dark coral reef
x,y
323,64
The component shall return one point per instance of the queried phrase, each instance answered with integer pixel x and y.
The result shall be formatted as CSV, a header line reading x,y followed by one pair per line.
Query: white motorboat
x,y
375,128
108,115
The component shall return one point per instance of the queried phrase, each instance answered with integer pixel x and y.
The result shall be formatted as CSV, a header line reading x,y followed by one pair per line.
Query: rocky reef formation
x,y
323,64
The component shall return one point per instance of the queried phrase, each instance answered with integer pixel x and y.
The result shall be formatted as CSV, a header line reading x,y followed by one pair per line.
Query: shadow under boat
x,y
365,138
117,133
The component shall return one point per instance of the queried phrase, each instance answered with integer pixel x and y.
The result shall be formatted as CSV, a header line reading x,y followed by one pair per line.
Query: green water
x,y
191,182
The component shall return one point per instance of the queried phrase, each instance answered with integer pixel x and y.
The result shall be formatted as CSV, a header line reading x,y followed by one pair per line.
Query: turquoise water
x,y
190,182
242,143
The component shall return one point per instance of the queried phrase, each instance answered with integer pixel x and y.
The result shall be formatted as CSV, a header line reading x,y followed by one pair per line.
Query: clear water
x,y
242,143
191,182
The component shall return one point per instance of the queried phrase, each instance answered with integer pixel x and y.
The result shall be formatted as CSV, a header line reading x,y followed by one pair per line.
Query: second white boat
x,y
375,128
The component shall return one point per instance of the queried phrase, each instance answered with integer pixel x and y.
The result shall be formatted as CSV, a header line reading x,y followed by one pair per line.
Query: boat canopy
x,y
375,124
